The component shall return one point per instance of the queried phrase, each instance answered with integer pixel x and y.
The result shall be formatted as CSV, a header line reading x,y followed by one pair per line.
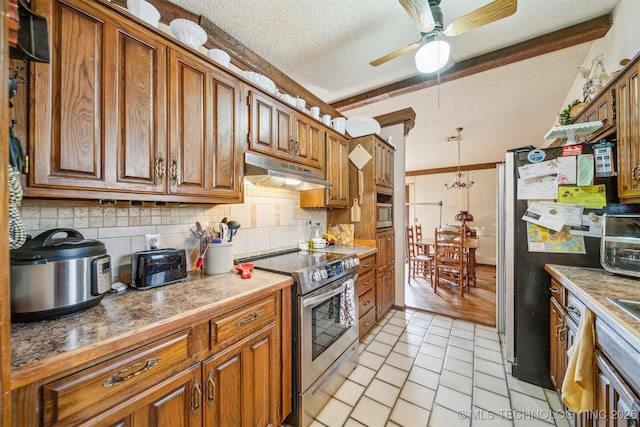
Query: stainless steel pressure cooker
x,y
56,274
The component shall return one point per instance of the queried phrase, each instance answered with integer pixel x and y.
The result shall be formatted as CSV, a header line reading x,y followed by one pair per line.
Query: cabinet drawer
x,y
366,282
366,264
98,388
366,301
237,324
575,308
557,292
366,322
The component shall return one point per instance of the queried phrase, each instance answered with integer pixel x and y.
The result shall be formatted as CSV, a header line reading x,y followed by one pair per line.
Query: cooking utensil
x,y
245,269
224,231
201,259
233,228
355,211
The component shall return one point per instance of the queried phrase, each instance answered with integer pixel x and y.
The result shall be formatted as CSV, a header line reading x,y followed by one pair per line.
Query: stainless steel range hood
x,y
266,171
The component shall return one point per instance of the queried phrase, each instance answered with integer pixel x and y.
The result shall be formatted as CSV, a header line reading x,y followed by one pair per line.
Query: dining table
x,y
470,244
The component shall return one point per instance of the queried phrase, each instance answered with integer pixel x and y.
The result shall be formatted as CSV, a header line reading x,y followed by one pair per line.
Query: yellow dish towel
x,y
578,387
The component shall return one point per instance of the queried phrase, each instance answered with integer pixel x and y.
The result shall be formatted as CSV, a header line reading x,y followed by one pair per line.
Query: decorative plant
x,y
565,115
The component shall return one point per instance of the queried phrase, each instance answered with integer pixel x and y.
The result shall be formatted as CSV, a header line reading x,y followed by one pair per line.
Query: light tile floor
x,y
418,369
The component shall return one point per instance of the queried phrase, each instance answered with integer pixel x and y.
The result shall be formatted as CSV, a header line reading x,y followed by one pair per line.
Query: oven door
x,y
323,338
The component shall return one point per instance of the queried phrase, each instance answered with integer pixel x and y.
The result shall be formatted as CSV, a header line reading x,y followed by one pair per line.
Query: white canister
x,y
339,124
219,258
326,119
315,112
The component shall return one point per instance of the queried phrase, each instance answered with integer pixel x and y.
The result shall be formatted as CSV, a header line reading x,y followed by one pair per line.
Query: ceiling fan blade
x,y
394,54
420,13
491,12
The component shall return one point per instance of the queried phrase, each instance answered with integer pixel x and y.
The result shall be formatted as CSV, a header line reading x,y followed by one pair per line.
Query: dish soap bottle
x,y
310,234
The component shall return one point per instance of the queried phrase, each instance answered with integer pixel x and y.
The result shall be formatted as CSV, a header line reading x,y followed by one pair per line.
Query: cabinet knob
x,y
160,169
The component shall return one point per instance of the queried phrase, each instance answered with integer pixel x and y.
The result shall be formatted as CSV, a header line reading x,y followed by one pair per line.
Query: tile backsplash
x,y
269,218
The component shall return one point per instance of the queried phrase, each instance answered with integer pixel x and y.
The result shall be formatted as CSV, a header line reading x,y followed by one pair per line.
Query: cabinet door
x,y
309,142
270,127
337,170
190,122
616,404
134,113
242,383
628,135
66,110
385,244
557,334
385,291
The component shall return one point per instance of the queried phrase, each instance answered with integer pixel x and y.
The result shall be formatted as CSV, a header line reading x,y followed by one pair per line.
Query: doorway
x,y
478,305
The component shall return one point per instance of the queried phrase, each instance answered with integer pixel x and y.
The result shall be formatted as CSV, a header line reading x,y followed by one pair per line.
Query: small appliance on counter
x,y
158,267
53,276
620,244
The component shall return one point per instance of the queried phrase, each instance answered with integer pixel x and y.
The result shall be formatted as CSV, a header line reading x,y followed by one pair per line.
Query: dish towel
x,y
578,387
347,304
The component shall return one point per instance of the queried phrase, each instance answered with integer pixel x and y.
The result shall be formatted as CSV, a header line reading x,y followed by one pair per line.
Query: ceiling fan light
x,y
432,56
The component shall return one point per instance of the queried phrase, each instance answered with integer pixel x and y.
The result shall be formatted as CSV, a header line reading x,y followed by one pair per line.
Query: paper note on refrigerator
x,y
541,239
567,170
591,227
590,196
542,188
585,169
535,170
553,215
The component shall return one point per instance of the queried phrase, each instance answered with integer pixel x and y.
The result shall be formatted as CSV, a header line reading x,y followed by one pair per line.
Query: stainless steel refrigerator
x,y
522,288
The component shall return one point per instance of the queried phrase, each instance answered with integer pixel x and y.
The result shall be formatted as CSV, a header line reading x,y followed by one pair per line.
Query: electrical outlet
x,y
151,241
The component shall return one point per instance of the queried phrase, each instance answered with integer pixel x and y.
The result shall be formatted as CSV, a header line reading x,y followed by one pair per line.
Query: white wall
x,y
622,41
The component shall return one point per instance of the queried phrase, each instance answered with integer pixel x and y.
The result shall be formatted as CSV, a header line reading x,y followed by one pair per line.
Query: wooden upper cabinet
x,y
337,170
601,108
310,142
279,131
135,111
628,133
69,147
124,112
204,155
384,165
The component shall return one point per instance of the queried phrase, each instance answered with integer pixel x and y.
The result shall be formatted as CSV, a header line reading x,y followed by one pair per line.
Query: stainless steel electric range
x,y
325,349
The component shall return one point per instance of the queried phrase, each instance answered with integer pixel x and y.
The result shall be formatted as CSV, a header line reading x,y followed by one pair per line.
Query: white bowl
x,y
362,125
220,56
259,80
188,32
145,11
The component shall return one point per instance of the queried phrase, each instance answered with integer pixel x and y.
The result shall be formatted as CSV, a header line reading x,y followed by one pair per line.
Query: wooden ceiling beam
x,y
571,36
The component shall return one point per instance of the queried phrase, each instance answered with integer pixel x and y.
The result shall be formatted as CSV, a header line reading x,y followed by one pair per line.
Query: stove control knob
x,y
323,274
315,276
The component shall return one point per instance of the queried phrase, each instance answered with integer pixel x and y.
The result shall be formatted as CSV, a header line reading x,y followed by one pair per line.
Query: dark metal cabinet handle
x,y
554,289
573,310
174,171
196,397
211,389
119,379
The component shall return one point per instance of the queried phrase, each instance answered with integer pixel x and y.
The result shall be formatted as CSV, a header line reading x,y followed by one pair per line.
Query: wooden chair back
x,y
449,257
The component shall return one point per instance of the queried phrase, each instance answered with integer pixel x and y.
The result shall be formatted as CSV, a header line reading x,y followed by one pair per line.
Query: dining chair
x,y
421,249
419,265
449,258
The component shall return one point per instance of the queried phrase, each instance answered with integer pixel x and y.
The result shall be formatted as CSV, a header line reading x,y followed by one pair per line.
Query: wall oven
x,y
384,215
325,347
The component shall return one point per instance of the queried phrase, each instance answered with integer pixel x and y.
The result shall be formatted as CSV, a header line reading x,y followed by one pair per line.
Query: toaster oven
x,y
620,245
158,267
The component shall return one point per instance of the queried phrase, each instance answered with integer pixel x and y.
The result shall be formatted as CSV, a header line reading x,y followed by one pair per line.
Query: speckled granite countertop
x,y
592,286
360,251
133,313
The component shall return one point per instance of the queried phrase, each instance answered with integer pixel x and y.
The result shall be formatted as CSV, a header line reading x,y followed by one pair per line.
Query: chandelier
x,y
459,183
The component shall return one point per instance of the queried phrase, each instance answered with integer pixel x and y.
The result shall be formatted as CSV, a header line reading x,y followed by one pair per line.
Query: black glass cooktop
x,y
287,262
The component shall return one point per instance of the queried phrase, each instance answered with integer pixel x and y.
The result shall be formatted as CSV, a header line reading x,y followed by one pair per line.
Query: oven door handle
x,y
320,298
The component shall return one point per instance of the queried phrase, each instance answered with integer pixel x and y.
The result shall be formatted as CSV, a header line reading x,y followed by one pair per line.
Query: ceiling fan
x,y
427,17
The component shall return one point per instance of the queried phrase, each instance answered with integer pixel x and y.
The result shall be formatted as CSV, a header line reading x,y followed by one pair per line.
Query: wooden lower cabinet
x,y
616,403
229,371
176,402
366,295
385,272
241,383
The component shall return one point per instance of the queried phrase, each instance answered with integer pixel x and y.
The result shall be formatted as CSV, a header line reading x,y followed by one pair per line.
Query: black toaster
x,y
158,267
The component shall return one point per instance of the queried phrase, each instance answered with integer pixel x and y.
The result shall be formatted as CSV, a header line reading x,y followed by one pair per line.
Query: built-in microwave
x,y
384,215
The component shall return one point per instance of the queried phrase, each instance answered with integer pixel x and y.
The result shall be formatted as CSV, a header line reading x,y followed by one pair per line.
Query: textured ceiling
x,y
327,45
